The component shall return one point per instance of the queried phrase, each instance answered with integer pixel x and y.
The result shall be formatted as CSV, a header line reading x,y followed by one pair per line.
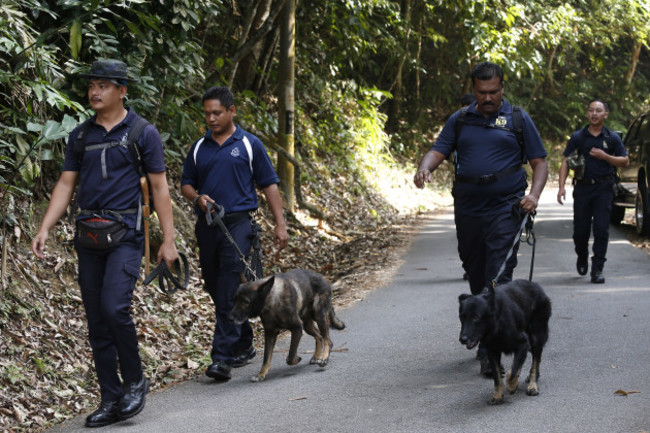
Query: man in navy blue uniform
x,y
490,183
110,194
223,167
593,193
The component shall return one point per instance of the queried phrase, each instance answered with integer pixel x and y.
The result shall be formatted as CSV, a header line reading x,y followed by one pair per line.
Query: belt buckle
x,y
486,178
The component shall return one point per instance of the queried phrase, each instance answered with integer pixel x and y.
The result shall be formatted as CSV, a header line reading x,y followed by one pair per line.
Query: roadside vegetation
x,y
374,82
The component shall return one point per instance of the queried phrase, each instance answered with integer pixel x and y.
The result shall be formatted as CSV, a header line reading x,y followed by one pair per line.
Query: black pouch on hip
x,y
98,233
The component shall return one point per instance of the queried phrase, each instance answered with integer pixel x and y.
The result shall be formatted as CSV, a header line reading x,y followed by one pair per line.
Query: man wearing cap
x,y
110,195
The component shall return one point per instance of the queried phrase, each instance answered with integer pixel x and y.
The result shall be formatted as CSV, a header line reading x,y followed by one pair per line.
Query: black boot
x,y
133,400
106,414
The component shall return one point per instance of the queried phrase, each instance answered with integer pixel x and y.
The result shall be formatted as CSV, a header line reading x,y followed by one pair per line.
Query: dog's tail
x,y
335,322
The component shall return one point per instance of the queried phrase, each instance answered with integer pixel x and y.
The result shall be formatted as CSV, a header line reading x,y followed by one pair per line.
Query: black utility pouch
x,y
98,233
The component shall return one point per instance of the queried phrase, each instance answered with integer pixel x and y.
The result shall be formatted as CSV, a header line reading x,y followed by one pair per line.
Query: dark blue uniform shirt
x,y
595,168
121,189
487,146
224,172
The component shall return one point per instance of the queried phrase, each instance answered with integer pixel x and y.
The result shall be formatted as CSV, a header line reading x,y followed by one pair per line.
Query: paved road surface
x,y
405,371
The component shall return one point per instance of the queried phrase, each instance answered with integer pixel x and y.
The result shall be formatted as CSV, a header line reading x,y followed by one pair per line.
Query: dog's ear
x,y
266,286
464,296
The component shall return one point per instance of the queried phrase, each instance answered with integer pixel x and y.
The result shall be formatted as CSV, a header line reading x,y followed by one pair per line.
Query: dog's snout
x,y
462,339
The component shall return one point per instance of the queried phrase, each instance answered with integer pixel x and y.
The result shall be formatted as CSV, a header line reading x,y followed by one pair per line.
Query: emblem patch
x,y
605,145
501,121
235,152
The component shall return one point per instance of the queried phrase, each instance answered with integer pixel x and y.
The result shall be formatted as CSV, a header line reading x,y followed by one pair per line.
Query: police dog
x,y
296,300
512,318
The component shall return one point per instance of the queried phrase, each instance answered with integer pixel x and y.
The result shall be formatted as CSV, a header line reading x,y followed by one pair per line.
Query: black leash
x,y
167,281
214,216
527,224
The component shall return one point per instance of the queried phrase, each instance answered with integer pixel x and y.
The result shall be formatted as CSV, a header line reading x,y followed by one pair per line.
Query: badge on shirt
x,y
605,145
235,152
501,121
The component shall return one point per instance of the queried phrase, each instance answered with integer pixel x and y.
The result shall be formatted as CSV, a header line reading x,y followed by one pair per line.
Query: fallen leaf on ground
x,y
626,393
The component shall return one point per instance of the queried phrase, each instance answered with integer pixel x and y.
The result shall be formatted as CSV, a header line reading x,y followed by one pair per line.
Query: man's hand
x,y
168,253
281,239
598,153
38,244
529,203
422,177
561,195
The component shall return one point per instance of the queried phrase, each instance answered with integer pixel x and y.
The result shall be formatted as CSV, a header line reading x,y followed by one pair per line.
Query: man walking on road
x,y
110,197
223,167
593,194
490,184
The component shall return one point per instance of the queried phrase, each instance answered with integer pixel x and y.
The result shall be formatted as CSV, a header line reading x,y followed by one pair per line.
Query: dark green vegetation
x,y
375,79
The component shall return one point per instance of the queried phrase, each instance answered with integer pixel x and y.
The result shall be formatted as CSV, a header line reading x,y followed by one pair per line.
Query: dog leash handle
x,y
167,281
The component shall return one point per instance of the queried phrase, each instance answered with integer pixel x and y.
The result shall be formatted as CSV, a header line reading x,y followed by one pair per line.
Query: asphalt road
x,y
400,368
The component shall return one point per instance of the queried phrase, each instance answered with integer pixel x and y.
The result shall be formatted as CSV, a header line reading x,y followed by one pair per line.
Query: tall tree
x,y
286,99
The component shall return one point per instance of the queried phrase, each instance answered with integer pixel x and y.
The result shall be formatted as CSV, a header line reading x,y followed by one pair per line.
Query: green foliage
x,y
352,57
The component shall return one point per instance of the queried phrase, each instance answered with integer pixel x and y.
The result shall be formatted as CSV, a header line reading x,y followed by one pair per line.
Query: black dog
x,y
296,300
513,318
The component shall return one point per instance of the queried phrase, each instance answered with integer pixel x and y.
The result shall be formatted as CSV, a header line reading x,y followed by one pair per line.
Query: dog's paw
x,y
314,360
532,391
294,361
512,383
494,401
257,378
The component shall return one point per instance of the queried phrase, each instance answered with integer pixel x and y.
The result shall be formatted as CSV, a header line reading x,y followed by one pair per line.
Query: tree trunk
x,y
635,60
249,53
395,103
242,40
286,100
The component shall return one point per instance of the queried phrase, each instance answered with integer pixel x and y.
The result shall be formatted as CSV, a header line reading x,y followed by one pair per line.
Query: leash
x,y
167,281
527,224
214,216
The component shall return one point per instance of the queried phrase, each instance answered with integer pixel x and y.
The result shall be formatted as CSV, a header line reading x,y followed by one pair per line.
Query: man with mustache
x,y
110,195
593,193
223,167
490,182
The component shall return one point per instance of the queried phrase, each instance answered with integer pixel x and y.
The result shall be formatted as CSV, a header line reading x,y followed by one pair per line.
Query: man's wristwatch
x,y
195,202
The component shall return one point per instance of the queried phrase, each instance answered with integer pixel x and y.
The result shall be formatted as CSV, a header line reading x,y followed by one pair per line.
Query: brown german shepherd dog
x,y
296,300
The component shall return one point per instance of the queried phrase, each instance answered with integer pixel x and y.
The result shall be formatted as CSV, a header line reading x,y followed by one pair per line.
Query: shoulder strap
x,y
80,141
460,121
134,134
518,129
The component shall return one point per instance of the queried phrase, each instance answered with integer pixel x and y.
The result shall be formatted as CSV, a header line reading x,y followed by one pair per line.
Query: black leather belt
x,y
231,218
594,180
488,178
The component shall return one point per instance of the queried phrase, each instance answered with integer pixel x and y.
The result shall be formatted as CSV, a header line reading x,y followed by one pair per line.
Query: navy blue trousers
x,y
107,279
221,270
483,244
592,207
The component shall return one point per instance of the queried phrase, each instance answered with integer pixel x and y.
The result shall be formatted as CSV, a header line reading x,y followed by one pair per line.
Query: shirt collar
x,y
128,120
237,135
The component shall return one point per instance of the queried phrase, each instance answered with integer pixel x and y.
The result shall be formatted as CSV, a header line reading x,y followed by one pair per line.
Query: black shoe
x,y
106,414
220,370
243,358
133,400
597,278
582,265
